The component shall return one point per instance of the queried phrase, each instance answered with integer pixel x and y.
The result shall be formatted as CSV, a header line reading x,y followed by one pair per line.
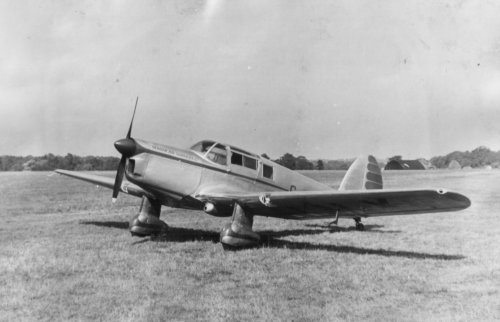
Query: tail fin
x,y
363,174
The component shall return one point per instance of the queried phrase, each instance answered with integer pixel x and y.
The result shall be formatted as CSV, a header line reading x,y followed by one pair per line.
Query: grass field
x,y
66,254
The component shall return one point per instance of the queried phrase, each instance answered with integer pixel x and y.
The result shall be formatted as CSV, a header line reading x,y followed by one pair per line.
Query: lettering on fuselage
x,y
170,151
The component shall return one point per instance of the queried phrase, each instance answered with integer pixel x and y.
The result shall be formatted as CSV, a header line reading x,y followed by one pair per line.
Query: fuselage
x,y
177,176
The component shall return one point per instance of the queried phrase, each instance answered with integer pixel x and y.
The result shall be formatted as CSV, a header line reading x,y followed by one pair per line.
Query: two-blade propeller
x,y
127,148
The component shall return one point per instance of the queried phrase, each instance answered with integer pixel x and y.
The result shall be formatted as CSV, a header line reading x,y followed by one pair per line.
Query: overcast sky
x,y
329,79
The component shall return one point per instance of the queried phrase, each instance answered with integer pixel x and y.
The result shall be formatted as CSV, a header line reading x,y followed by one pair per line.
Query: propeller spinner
x,y
127,149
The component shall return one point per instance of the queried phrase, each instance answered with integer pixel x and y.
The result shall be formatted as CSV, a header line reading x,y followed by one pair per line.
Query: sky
x,y
320,78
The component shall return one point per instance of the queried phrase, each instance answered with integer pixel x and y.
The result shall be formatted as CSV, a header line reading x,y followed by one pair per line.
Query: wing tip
x,y
462,201
61,171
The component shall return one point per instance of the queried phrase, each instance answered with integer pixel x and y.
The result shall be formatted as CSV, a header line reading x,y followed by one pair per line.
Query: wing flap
x,y
361,203
107,182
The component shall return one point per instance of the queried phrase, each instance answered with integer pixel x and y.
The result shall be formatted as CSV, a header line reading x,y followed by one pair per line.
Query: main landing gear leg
x,y
359,225
148,222
238,233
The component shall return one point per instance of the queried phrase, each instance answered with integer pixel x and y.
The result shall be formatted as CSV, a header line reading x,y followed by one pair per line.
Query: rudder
x,y
363,174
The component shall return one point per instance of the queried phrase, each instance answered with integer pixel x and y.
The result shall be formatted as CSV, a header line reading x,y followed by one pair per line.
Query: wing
x,y
107,182
360,203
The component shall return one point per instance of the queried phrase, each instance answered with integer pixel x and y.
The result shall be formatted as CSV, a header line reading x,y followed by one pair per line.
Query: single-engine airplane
x,y
226,181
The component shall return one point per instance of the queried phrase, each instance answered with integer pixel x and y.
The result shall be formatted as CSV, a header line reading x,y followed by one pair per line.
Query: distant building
x,y
427,164
404,165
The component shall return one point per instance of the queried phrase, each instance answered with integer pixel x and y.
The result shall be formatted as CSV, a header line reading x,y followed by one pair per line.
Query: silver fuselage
x,y
178,176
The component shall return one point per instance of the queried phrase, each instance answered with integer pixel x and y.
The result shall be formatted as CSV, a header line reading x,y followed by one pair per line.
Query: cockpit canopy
x,y
202,146
219,153
211,150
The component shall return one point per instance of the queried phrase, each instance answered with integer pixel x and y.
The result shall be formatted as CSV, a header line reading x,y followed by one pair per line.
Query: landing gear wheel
x,y
359,225
147,226
229,248
238,234
147,222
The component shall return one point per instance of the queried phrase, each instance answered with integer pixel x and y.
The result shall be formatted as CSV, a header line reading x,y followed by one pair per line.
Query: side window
x,y
250,163
267,171
244,161
237,159
218,154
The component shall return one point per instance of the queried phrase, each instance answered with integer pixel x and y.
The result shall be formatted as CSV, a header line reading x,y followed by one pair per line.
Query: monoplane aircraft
x,y
227,181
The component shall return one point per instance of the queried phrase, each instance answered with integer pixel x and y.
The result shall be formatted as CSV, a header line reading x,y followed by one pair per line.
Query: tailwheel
x,y
359,225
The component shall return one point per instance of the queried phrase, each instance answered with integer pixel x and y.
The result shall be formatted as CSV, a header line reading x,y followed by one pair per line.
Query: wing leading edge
x,y
107,182
360,203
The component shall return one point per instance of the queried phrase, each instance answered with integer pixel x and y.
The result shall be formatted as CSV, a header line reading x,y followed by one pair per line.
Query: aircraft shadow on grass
x,y
109,224
270,239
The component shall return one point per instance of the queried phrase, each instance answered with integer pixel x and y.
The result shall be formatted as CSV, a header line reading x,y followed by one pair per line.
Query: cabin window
x,y
267,171
237,150
218,154
237,159
250,163
243,160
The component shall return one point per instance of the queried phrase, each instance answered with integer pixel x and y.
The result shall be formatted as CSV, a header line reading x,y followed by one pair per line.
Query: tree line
x,y
477,158
50,162
302,163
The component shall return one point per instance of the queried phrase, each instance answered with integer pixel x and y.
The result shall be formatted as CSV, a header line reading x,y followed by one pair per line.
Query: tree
x,y
320,165
301,163
69,161
338,164
287,160
295,163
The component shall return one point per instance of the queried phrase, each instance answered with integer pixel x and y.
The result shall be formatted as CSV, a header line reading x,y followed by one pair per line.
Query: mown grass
x,y
66,254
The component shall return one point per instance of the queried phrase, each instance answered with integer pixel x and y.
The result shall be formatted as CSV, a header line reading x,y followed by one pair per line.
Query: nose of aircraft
x,y
126,147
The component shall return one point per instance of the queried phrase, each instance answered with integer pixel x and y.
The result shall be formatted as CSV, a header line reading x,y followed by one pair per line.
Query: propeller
x,y
127,149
